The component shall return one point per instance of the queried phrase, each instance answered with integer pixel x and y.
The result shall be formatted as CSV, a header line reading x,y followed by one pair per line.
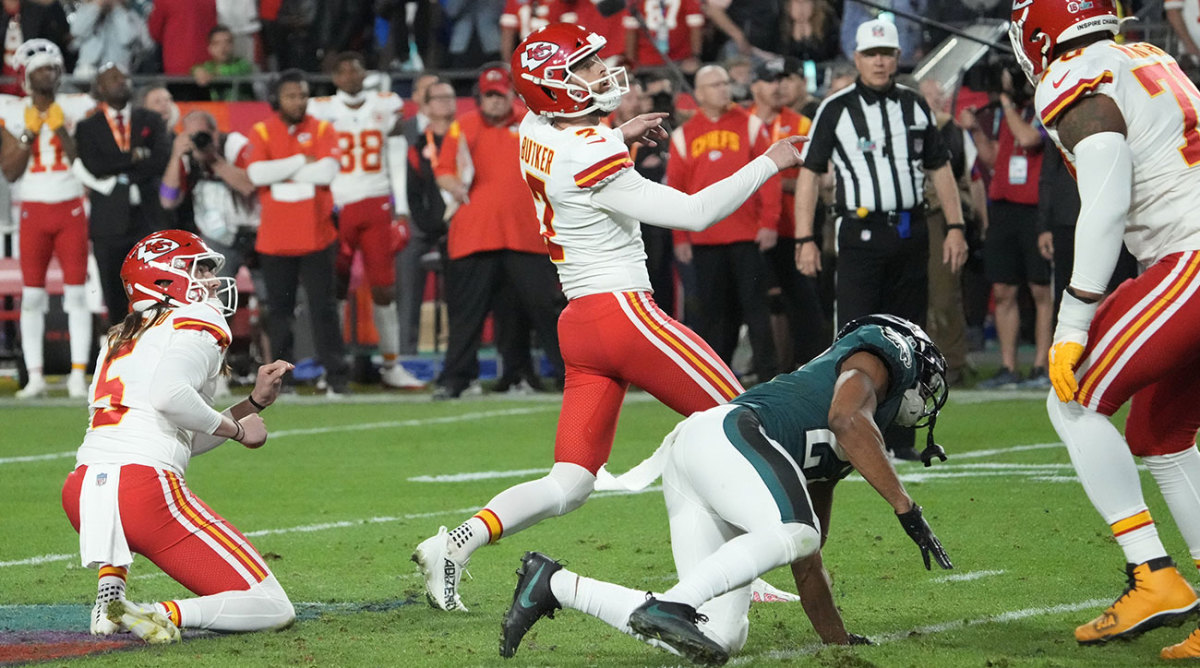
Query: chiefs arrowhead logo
x,y
537,53
156,248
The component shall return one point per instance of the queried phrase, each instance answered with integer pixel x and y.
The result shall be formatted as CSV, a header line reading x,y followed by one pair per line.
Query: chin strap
x,y
932,450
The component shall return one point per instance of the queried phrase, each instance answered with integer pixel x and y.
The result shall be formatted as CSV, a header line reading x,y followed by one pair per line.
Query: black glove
x,y
918,530
856,639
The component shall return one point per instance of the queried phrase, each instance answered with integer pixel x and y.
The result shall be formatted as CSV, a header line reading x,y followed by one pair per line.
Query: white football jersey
x,y
362,135
124,427
596,251
1160,105
48,177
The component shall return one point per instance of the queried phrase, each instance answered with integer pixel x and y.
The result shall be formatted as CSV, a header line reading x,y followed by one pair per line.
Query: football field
x,y
344,490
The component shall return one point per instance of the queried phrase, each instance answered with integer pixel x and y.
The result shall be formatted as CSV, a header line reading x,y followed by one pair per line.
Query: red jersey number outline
x,y
371,142
112,388
1157,78
35,157
538,188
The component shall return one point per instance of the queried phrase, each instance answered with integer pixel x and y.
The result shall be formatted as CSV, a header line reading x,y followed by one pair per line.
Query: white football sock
x,y
743,558
1178,478
34,305
387,323
608,602
1109,476
110,585
265,606
79,324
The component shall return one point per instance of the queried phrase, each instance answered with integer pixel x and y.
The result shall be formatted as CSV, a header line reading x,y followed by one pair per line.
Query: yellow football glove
x,y
54,117
1064,357
33,119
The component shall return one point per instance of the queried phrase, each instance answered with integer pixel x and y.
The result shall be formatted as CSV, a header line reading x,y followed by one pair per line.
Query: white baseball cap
x,y
876,34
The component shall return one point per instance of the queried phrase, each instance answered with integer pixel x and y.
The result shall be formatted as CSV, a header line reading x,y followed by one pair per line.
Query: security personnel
x,y
883,141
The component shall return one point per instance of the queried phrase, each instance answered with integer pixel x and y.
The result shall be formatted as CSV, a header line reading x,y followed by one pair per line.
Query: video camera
x,y
988,76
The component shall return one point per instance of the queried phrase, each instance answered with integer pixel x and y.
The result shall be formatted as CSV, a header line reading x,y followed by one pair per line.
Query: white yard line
x,y
967,577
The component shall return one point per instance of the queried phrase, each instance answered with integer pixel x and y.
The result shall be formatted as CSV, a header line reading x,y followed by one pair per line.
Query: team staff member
x,y
882,141
731,272
494,242
792,297
293,159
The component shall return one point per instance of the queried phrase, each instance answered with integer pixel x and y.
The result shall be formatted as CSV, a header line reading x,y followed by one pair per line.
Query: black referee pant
x,y
472,285
878,272
732,283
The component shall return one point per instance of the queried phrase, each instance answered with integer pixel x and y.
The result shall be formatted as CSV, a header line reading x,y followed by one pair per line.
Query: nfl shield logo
x,y
101,478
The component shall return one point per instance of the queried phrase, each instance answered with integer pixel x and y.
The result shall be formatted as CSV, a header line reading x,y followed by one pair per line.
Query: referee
x,y
882,140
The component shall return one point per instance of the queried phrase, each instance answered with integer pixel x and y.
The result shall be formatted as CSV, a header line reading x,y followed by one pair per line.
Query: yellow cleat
x,y
144,622
1157,595
1188,649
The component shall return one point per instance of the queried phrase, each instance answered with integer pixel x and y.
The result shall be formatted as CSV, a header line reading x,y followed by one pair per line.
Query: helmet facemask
x,y
220,291
581,91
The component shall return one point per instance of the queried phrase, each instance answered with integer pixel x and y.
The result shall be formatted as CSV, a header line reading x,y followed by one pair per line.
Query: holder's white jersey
x,y
1160,106
48,178
595,250
125,427
362,135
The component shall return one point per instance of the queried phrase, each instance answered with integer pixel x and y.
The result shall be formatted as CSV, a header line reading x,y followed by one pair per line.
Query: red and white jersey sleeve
x,y
524,17
595,250
124,426
1160,106
362,136
48,178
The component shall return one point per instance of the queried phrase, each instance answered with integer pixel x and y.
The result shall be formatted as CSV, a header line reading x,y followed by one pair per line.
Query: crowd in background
x,y
771,55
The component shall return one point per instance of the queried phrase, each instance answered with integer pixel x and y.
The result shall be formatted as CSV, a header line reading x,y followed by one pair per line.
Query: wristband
x,y
803,240
257,406
956,226
167,192
241,432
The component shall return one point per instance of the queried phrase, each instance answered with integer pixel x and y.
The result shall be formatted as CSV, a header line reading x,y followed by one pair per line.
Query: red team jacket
x,y
703,152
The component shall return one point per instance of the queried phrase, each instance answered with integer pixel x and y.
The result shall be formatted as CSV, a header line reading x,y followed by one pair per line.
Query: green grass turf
x,y
1033,525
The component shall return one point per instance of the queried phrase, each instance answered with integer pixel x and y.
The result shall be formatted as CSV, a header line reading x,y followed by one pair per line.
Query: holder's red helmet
x,y
542,76
162,268
1039,26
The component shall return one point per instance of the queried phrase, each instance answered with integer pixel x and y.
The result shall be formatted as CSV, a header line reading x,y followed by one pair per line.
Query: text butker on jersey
x,y
1159,105
48,178
124,427
362,136
595,250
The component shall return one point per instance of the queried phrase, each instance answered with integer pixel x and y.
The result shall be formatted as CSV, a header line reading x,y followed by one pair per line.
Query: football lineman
x,y
589,203
1125,116
749,486
36,155
371,195
150,413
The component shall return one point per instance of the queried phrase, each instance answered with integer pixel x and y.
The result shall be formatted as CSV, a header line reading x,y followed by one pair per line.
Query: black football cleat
x,y
675,624
532,600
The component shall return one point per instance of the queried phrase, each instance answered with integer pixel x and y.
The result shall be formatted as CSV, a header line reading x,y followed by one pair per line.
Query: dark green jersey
x,y
794,407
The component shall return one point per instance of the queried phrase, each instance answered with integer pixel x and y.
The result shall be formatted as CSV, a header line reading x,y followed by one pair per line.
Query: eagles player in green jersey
x,y
749,486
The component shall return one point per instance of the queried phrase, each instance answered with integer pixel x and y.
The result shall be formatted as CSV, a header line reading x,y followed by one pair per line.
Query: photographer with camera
x,y
1009,137
206,186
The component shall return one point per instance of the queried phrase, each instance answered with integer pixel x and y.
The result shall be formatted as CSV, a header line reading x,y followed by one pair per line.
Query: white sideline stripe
x,y
479,475
284,433
999,618
309,528
968,576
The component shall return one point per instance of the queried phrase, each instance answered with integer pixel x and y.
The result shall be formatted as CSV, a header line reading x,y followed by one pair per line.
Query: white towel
x,y
644,474
101,534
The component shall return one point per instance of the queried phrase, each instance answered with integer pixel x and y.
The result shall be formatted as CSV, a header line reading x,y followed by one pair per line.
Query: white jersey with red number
x,y
48,177
595,250
1160,106
125,427
362,135
525,16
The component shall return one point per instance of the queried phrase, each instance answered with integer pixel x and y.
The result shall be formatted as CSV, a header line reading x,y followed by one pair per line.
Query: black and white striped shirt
x,y
880,143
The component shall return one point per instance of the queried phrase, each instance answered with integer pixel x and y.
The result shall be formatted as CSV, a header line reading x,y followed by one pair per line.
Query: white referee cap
x,y
876,34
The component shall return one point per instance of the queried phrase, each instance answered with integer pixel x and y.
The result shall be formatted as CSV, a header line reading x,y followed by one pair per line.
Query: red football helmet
x,y
162,268
1038,26
542,75
35,54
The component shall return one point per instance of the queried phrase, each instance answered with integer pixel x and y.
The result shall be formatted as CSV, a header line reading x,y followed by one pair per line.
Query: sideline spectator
x,y
748,24
293,159
809,30
31,19
492,243
36,154
586,13
223,62
731,272
288,34
241,17
107,31
520,18
674,27
426,202
181,28
794,89
125,151
474,32
158,99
